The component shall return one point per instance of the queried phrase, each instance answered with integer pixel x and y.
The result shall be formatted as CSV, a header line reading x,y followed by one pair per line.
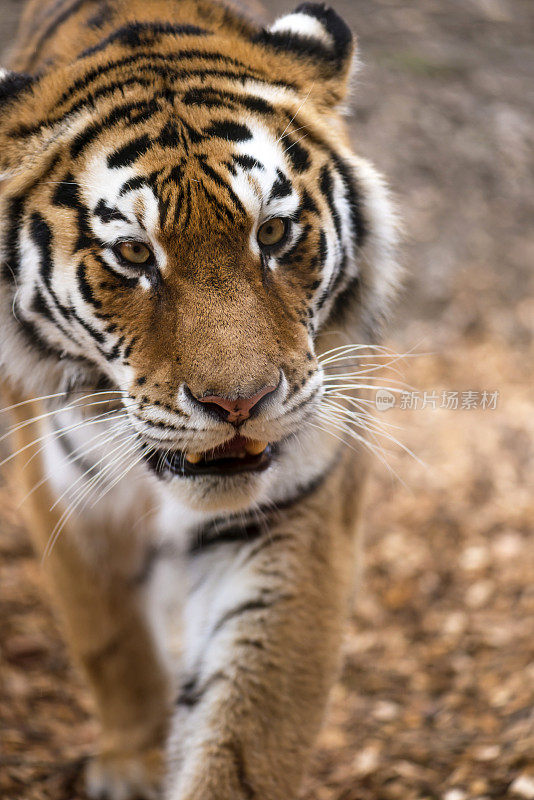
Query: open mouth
x,y
237,455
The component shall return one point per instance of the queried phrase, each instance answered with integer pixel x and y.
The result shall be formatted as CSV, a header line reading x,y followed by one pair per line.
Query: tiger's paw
x,y
135,776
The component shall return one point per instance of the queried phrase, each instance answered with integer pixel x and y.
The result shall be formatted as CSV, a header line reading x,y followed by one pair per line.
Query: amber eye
x,y
134,252
273,232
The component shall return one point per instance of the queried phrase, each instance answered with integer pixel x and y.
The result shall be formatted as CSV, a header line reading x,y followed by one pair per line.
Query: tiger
x,y
189,248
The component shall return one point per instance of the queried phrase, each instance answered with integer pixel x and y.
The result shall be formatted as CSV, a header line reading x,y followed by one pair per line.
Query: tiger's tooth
x,y
193,458
254,448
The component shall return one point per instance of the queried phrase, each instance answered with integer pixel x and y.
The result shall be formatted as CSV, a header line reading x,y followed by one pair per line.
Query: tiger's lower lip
x,y
175,463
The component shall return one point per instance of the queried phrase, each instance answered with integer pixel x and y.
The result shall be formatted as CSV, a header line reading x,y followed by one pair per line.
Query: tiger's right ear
x,y
12,84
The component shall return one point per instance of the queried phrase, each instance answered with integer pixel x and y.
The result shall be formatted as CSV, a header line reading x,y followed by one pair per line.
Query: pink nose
x,y
237,410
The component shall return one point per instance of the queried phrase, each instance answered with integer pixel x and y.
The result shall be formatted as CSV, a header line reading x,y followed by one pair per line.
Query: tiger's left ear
x,y
11,85
321,40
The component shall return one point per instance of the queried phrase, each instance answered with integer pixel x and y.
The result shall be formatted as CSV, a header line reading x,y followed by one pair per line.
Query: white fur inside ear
x,y
301,24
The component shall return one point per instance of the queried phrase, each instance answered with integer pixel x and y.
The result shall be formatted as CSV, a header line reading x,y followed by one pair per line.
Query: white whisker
x,y
299,109
94,442
72,407
48,435
82,477
83,494
32,400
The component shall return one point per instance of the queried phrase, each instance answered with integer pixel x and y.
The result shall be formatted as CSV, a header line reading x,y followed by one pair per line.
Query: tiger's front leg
x,y
264,623
94,572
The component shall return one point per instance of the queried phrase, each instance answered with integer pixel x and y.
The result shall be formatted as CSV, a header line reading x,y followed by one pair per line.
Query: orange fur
x,y
162,95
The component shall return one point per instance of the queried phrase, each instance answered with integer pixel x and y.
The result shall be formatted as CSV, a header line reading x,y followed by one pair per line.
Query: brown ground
x,y
436,697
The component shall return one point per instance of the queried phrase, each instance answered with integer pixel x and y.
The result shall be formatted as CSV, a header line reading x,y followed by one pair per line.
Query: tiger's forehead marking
x,y
124,203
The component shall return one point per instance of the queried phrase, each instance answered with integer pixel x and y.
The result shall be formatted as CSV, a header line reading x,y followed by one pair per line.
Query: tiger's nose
x,y
238,410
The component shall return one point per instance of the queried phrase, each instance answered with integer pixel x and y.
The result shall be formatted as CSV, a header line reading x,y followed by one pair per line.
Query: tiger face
x,y
183,221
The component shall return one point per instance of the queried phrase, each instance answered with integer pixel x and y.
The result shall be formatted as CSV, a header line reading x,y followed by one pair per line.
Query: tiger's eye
x,y
135,252
272,232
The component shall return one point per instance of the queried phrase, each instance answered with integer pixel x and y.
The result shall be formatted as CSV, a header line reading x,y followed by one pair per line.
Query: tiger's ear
x,y
12,84
321,40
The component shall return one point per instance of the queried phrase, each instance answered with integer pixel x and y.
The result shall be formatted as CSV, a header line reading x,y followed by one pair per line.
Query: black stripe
x,y
347,299
256,104
134,183
123,113
323,253
39,306
89,98
359,225
73,454
298,155
351,294
221,212
244,781
217,179
119,278
67,195
166,551
131,35
229,130
173,74
129,347
289,257
42,237
308,203
288,42
108,213
35,341
169,135
188,204
206,97
175,175
179,56
94,333
11,266
247,162
326,186
281,187
126,155
245,608
12,85
210,537
236,529
211,97
163,208
191,694
85,288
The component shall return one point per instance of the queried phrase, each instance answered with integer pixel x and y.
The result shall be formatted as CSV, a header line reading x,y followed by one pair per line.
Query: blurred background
x,y
436,696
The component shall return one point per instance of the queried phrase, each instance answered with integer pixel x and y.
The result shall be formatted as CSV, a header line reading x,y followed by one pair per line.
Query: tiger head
x,y
184,222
